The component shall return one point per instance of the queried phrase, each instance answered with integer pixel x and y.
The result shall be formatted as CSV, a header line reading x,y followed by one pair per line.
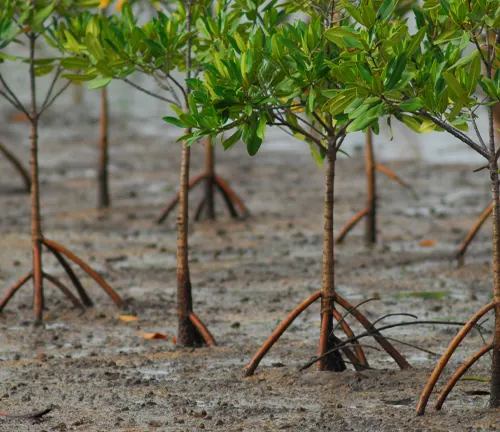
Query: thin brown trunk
x,y
495,368
209,180
326,340
186,331
36,228
104,200
371,197
11,157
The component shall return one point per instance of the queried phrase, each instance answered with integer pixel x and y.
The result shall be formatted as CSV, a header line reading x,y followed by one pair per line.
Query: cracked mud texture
x,y
99,374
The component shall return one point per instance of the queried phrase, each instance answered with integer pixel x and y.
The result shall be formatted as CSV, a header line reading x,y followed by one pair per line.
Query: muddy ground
x,y
99,374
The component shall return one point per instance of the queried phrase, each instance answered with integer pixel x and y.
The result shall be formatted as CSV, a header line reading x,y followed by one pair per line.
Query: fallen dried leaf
x,y
154,335
128,318
427,243
19,118
174,340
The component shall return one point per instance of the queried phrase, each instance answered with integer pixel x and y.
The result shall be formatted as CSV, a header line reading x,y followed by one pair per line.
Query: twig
x,y
349,312
375,331
142,89
51,101
30,416
12,98
395,314
51,88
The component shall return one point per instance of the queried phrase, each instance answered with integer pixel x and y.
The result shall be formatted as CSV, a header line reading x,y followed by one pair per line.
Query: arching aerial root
x,y
443,361
458,374
472,233
61,253
202,330
231,199
360,357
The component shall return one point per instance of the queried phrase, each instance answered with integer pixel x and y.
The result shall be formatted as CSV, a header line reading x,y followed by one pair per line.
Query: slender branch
x,y
142,89
456,133
51,88
395,314
177,84
12,98
49,103
479,137
413,346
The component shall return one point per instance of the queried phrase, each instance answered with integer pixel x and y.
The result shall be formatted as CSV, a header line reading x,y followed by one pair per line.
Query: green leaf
x,y
465,60
316,154
253,144
261,128
395,71
458,92
99,82
386,9
232,140
175,121
361,123
411,105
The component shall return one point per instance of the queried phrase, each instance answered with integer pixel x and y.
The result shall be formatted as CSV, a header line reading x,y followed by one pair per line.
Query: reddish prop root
x,y
86,268
359,359
458,374
171,205
11,157
230,198
382,341
360,354
14,289
58,252
350,225
271,340
443,361
74,278
64,289
392,175
202,330
472,233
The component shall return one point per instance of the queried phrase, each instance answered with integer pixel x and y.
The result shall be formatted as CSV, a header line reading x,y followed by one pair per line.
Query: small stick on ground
x,y
458,374
30,416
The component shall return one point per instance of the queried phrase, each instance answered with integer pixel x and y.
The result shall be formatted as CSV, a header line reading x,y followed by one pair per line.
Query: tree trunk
x,y
103,200
36,229
495,368
186,331
371,197
210,180
333,362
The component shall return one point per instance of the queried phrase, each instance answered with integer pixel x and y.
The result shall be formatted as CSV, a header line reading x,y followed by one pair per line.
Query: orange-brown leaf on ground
x,y
174,340
19,118
154,335
128,318
427,243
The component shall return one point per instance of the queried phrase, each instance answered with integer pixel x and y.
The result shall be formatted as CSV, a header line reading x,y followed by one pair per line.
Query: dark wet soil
x,y
99,373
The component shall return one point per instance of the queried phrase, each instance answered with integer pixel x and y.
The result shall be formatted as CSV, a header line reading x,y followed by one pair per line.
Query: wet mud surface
x,y
100,374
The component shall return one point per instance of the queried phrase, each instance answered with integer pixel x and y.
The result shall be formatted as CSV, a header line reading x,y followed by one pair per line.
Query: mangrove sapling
x,y
282,76
370,210
369,213
436,90
17,164
114,48
29,19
